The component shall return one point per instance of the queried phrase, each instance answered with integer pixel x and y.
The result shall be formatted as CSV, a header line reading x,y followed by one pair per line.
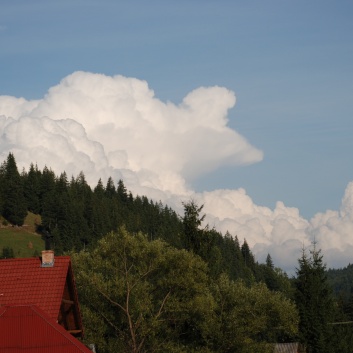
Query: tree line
x,y
151,280
77,216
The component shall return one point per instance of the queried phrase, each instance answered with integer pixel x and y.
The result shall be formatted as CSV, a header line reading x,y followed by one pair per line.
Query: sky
x,y
244,106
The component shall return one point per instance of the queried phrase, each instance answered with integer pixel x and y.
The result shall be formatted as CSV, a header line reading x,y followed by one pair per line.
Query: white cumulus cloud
x,y
282,232
115,126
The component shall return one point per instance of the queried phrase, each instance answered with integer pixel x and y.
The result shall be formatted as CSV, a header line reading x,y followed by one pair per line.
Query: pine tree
x,y
110,190
47,186
14,202
2,189
192,222
232,257
32,189
269,262
99,189
269,276
122,192
314,301
248,256
112,204
100,211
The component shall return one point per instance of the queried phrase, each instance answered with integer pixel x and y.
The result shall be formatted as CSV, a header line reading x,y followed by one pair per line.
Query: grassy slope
x,y
23,240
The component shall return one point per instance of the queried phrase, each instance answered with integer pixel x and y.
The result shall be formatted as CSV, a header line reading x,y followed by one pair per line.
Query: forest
x,y
150,280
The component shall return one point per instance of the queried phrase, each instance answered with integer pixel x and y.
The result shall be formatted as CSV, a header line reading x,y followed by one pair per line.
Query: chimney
x,y
47,254
47,258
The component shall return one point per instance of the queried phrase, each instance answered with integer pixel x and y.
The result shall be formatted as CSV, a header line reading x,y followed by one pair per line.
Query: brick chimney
x,y
47,254
47,258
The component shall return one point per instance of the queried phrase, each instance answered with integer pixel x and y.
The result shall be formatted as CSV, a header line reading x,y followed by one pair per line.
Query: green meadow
x,y
24,240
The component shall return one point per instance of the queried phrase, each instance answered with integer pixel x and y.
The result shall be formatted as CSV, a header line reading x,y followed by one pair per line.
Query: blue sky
x,y
289,63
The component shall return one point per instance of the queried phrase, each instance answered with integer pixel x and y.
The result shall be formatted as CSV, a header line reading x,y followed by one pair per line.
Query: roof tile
x,y
24,281
26,328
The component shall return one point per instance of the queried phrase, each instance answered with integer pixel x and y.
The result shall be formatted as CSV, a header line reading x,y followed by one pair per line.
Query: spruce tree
x,y
32,188
314,301
46,190
248,256
232,257
14,202
122,192
2,189
269,262
110,189
192,221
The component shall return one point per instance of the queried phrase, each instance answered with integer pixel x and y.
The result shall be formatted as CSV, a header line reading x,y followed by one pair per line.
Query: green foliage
x,y
341,281
77,217
148,279
250,317
31,187
139,296
14,207
7,253
342,334
341,337
192,221
147,295
274,278
247,255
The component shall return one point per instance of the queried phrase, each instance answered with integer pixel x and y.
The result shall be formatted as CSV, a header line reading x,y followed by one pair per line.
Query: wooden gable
x,y
69,316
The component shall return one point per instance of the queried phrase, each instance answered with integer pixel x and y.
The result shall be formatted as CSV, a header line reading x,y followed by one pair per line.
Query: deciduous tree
x,y
141,296
251,318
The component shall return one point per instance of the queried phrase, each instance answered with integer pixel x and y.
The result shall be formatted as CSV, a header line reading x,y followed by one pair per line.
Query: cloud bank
x,y
115,126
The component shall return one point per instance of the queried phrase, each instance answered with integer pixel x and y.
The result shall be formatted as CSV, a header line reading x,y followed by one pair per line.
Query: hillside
x,y
24,240
341,281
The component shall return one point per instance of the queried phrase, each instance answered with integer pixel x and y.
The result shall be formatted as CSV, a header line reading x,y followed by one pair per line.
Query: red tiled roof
x,y
24,281
26,328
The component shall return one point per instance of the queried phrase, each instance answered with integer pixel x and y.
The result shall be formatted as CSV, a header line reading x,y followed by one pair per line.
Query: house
x,y
287,347
39,308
